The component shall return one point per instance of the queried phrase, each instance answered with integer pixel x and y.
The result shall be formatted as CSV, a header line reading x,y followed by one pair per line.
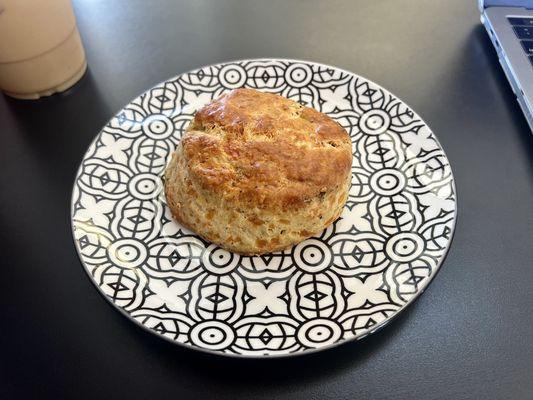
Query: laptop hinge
x,y
482,4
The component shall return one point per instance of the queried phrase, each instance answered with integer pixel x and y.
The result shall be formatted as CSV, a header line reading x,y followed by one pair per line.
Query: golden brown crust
x,y
265,149
256,172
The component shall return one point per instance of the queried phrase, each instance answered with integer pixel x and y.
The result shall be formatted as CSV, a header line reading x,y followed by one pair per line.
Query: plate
x,y
336,287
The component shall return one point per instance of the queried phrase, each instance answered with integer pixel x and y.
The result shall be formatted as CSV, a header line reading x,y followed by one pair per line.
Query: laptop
x,y
510,27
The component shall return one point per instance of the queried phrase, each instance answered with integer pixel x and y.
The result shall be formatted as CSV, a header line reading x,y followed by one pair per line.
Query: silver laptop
x,y
510,27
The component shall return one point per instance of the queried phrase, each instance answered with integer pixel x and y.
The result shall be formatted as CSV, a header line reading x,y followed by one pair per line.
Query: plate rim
x,y
193,348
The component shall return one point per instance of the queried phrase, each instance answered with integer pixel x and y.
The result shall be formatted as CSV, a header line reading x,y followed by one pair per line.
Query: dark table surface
x,y
468,336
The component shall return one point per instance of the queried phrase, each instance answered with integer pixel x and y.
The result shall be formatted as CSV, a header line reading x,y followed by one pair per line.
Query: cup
x,y
41,52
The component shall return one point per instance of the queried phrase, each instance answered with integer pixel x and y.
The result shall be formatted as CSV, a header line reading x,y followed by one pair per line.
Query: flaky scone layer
x,y
256,172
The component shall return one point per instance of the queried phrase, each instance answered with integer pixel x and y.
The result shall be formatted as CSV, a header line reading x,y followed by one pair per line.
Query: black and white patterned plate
x,y
339,286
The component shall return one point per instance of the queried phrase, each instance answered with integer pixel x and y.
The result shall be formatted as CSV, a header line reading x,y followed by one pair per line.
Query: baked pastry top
x,y
271,170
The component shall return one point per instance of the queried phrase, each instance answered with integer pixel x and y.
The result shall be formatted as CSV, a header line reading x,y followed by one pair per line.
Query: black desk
x,y
469,336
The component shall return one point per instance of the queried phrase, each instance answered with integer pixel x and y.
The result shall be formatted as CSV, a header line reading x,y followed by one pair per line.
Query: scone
x,y
256,172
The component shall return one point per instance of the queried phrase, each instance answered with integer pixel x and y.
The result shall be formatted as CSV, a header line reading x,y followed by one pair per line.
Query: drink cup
x,y
41,52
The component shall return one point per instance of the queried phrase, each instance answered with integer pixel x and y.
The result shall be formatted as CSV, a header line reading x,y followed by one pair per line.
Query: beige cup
x,y
40,48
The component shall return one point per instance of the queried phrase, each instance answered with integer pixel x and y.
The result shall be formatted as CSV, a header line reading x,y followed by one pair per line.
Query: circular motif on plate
x,y
158,126
212,335
405,246
232,76
219,261
127,253
319,332
312,256
374,122
144,186
299,75
388,181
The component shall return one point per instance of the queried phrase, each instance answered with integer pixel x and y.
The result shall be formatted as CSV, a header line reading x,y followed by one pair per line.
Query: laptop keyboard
x,y
523,29
528,46
523,32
